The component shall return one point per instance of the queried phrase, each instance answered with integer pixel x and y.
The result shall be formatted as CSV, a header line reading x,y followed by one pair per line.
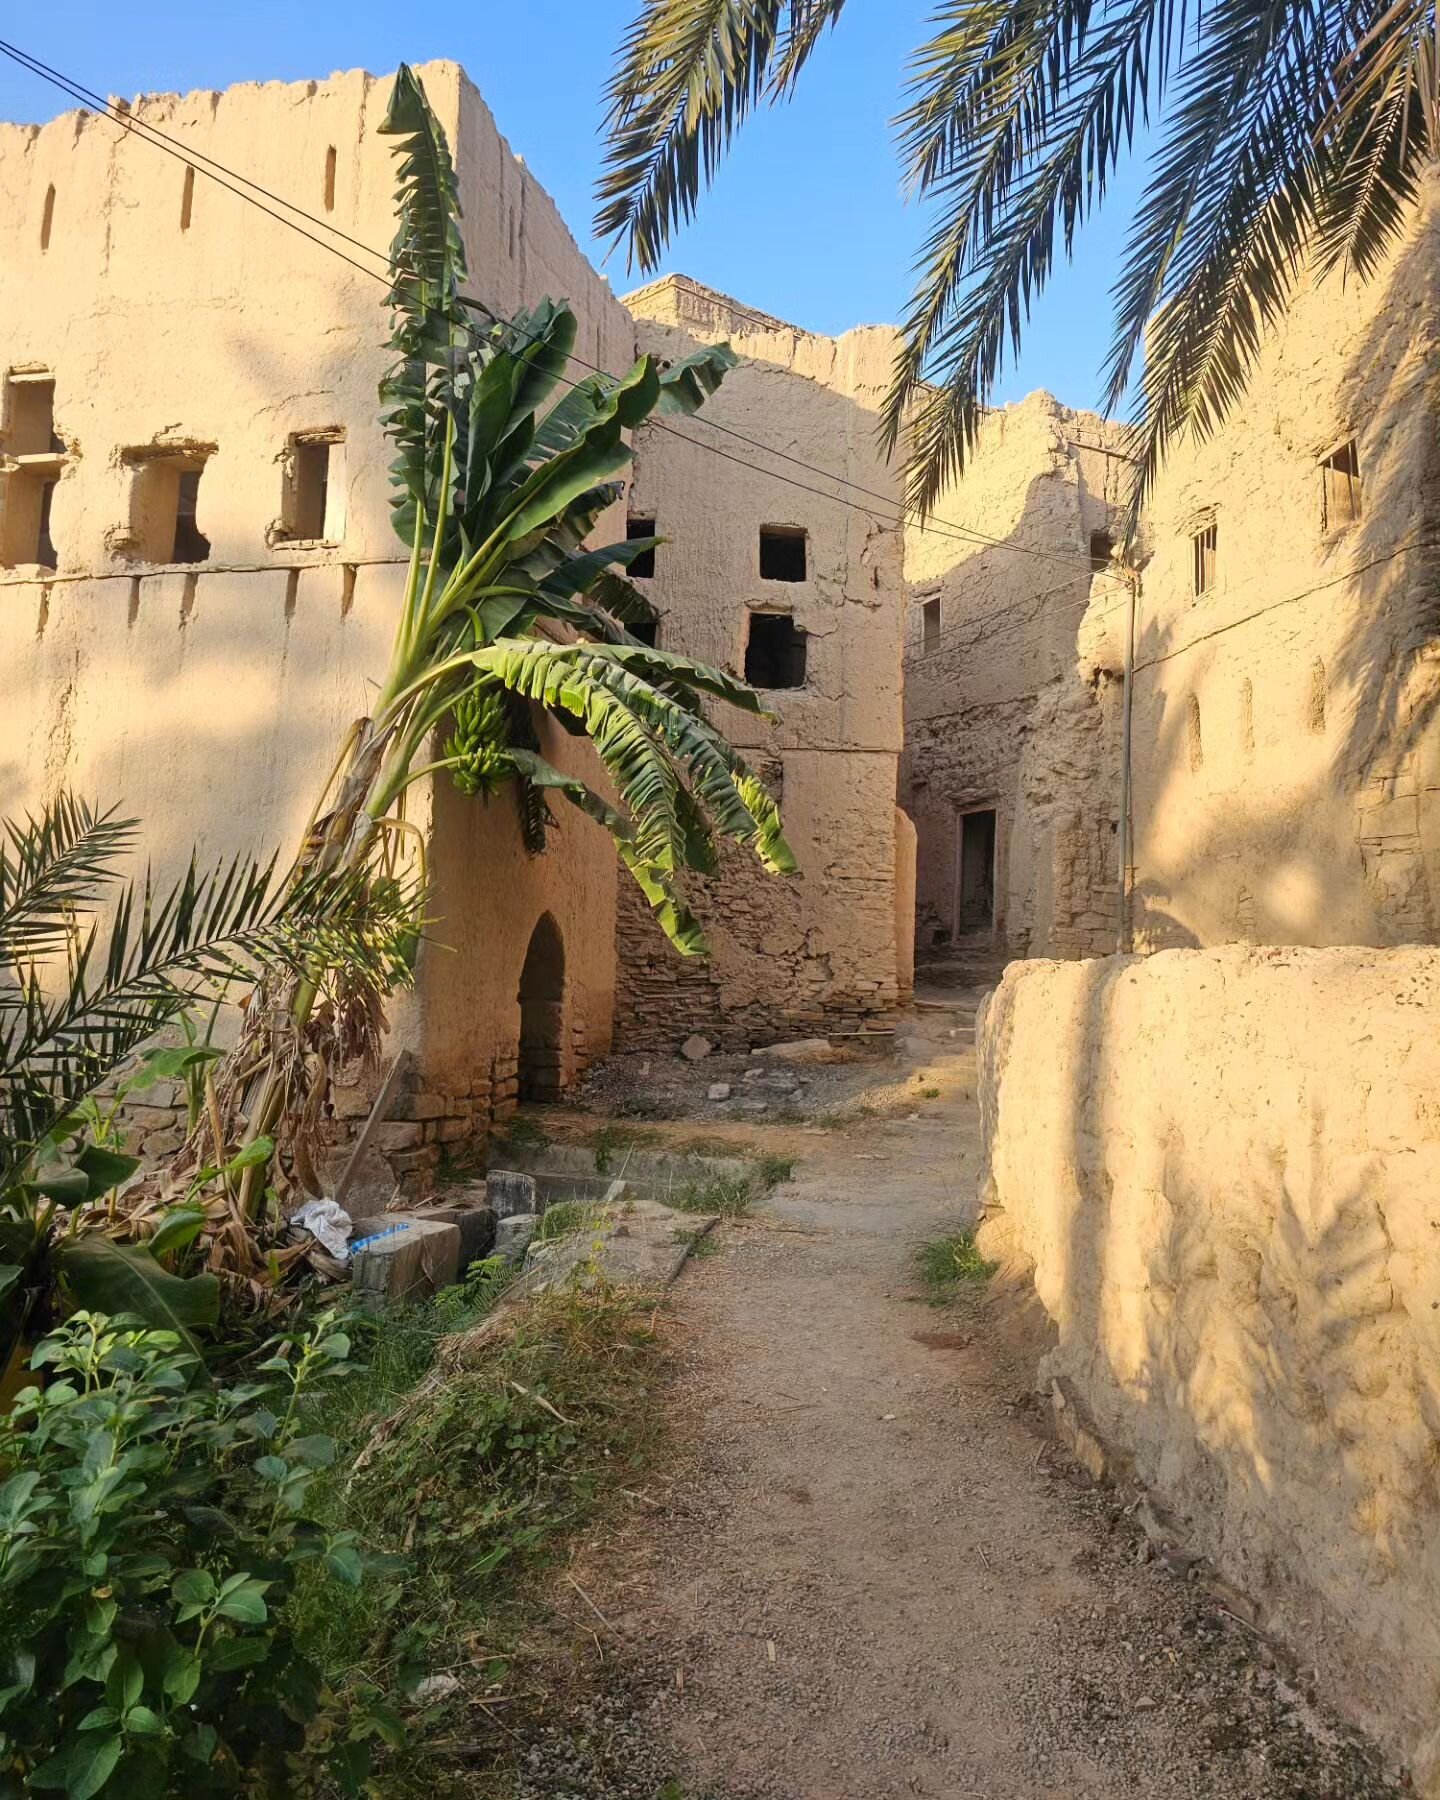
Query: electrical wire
x,y
951,530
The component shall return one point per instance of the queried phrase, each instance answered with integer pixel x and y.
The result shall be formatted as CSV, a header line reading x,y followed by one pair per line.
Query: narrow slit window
x,y
187,198
313,509
191,544
330,179
643,566
775,652
312,489
47,217
930,625
1203,546
1102,548
45,548
1340,487
782,553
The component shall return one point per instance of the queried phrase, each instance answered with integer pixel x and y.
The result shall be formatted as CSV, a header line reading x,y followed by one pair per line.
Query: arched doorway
x,y
542,1013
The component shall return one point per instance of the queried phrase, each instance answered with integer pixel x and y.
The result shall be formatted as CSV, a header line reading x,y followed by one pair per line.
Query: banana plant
x,y
503,468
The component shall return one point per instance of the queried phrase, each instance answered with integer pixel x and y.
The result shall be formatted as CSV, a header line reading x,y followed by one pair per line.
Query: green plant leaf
x,y
193,1588
176,1230
253,1156
105,1169
271,1468
316,1451
246,1604
112,1278
82,1768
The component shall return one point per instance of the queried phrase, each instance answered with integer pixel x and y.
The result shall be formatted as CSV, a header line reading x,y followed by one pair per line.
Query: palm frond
x,y
64,1032
1223,239
689,73
1019,152
54,869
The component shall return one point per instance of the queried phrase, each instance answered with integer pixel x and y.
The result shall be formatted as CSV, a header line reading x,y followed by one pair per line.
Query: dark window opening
x,y
775,652
187,199
647,631
330,179
191,544
47,217
643,566
30,416
1340,487
782,553
1102,548
930,625
46,547
311,490
976,898
1203,546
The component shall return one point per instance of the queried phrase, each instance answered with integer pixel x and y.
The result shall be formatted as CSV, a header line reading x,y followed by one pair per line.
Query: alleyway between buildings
x,y
869,1572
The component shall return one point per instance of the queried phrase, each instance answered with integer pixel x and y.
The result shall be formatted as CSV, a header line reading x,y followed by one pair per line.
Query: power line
x,y
951,530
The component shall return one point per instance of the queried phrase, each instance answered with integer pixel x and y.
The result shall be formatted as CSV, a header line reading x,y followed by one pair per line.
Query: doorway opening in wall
x,y
542,1013
975,872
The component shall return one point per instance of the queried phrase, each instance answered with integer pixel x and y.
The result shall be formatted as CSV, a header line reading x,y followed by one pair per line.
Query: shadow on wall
x,y
1289,791
977,701
1235,1238
816,952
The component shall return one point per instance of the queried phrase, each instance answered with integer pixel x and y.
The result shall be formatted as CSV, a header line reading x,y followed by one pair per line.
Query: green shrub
x,y
151,1532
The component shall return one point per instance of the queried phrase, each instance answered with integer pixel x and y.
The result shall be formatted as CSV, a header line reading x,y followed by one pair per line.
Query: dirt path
x,y
874,1576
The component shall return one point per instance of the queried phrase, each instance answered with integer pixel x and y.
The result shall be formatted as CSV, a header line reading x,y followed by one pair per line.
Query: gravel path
x,y
872,1575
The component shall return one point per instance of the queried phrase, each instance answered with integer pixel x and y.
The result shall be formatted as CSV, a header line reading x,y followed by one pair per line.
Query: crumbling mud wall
x,y
1287,748
153,324
1223,1168
815,954
1004,710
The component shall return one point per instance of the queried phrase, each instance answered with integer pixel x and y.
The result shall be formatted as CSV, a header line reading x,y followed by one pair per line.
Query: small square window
x,y
647,631
1102,548
643,567
29,421
782,553
165,506
930,625
1340,487
1203,547
774,652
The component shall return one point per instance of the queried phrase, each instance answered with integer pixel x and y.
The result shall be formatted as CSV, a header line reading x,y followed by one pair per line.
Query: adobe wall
x,y
815,954
1224,1167
210,700
1287,762
1002,709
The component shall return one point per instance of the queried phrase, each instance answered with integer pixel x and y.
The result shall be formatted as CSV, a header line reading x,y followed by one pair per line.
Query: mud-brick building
x,y
1285,745
1011,858
799,586
198,575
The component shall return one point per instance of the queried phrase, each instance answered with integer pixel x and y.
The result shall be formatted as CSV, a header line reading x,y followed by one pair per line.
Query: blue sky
x,y
806,221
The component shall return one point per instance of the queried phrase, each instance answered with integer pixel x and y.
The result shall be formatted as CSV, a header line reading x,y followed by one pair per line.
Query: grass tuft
x,y
944,1262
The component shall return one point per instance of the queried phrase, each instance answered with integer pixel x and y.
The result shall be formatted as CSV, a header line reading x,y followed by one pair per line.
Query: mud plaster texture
x,y
817,953
999,712
208,698
1286,755
866,1572
1223,1168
